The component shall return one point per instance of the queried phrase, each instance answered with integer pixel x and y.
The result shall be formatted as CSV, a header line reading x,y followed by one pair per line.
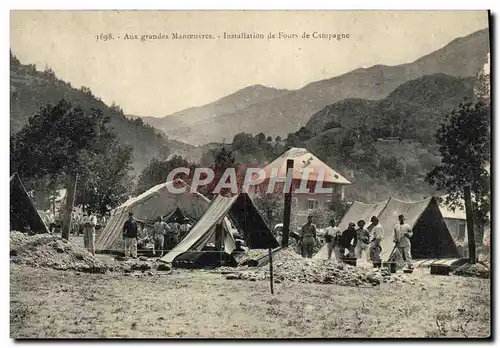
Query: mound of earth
x,y
473,270
289,266
49,251
45,250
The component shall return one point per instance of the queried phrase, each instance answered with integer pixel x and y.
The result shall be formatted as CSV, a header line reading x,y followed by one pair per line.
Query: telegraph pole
x,y
288,204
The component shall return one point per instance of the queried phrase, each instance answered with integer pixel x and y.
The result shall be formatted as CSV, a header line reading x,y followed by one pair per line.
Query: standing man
x,y
184,228
130,235
173,230
332,234
308,238
363,240
159,232
348,240
401,237
377,233
89,223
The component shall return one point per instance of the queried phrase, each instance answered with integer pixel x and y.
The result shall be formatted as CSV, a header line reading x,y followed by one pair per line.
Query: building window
x,y
312,204
461,231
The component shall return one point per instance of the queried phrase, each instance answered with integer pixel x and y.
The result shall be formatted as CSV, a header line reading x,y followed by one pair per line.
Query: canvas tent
x,y
157,201
357,211
243,213
455,220
431,238
22,210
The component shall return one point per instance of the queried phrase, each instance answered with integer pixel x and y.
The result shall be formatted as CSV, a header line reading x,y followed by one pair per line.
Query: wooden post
x,y
68,205
271,270
288,206
470,225
218,239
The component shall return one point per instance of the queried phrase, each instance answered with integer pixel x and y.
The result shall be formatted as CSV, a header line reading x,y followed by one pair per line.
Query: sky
x,y
159,77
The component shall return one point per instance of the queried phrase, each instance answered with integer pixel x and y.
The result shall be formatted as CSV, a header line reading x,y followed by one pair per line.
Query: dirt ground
x,y
47,303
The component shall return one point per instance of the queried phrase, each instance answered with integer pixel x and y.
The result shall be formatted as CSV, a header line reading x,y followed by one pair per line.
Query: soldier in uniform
x,y
308,238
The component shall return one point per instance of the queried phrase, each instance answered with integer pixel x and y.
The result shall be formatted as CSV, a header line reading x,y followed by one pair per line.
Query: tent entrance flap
x,y
203,229
22,210
243,214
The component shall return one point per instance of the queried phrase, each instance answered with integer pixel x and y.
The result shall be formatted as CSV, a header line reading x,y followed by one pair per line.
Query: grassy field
x,y
63,304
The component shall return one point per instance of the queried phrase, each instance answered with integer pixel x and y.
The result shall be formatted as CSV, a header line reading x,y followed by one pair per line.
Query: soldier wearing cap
x,y
363,240
308,238
401,237
377,233
130,235
332,235
348,240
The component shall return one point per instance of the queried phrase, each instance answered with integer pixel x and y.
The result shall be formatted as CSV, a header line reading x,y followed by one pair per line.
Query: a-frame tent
x,y
431,238
159,200
356,211
242,212
22,210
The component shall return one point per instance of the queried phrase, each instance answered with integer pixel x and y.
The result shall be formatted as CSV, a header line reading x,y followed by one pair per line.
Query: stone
x,y
163,267
233,276
140,266
143,258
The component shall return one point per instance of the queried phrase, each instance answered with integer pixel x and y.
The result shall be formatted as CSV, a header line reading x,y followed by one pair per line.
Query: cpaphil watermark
x,y
253,178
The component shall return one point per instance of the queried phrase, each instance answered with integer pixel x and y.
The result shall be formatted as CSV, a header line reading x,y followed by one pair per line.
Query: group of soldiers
x,y
165,236
357,241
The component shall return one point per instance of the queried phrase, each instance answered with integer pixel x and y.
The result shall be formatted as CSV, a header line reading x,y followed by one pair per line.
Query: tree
x,y
223,158
336,209
14,62
464,143
261,138
244,143
278,139
105,180
56,142
269,139
482,89
156,172
271,208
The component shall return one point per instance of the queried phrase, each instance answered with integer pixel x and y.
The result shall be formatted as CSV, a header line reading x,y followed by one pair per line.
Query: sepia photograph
x,y
250,174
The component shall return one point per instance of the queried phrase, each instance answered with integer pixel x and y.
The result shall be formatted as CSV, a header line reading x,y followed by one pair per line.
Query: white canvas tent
x,y
243,214
431,238
157,201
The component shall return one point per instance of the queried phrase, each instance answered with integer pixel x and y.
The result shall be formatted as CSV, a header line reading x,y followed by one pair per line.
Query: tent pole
x,y
218,239
470,224
271,269
288,204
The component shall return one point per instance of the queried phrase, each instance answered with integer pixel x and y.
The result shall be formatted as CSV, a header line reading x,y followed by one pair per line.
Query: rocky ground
x,y
55,292
47,251
288,266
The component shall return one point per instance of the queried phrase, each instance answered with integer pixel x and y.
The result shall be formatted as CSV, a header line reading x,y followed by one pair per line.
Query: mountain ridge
x,y
281,114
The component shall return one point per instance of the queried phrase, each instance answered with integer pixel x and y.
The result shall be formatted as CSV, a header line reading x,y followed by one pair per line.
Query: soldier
x,y
184,228
377,233
363,240
89,222
130,235
332,234
348,240
401,237
308,238
159,232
